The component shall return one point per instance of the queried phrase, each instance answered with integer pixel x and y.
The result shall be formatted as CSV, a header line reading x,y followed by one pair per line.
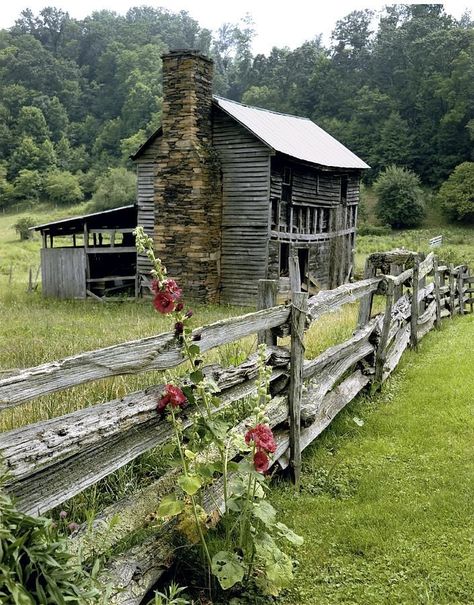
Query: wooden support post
x,y
415,306
298,317
266,298
10,274
381,353
396,269
460,287
437,293
365,307
294,270
452,291
30,280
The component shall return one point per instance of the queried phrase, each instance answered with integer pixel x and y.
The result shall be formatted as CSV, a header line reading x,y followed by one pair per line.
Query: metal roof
x,y
107,217
294,136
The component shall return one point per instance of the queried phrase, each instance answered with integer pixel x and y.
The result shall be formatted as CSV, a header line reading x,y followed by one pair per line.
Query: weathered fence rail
x,y
50,462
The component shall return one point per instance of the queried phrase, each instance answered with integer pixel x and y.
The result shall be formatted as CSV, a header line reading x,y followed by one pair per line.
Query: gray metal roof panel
x,y
294,136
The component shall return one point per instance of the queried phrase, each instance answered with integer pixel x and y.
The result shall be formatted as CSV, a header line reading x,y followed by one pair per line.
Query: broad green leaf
x,y
170,507
189,484
289,534
189,454
227,568
196,377
264,511
194,350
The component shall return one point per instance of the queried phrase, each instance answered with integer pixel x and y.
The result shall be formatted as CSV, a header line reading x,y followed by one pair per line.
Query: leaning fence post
x,y
365,306
266,298
299,307
460,285
415,306
452,292
437,292
381,353
294,270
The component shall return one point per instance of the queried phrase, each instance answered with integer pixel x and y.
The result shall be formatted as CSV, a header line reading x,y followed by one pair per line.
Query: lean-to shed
x,y
228,191
90,255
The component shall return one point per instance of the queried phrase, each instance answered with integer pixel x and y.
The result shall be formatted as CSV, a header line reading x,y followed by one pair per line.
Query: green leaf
x,y
227,568
194,350
170,506
189,454
264,511
289,534
196,377
189,484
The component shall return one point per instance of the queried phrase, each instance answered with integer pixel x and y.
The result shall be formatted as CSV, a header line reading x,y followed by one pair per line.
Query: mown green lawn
x,y
386,508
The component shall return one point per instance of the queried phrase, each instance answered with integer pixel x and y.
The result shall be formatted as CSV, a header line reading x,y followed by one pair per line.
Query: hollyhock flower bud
x,y
179,306
189,314
63,514
73,527
179,327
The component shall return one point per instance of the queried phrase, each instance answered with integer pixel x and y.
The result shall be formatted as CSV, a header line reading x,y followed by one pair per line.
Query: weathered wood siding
x,y
63,272
312,215
146,201
245,164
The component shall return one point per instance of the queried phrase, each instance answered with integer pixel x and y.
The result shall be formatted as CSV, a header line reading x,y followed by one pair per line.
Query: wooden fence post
x,y
266,298
381,352
437,292
415,307
299,309
365,306
460,287
452,292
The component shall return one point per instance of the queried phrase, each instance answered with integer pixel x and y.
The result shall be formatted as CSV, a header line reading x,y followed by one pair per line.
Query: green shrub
x,y
35,568
456,195
62,187
22,227
399,198
114,189
365,229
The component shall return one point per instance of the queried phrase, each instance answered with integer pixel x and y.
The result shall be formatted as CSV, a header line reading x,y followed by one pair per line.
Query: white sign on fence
x,y
436,242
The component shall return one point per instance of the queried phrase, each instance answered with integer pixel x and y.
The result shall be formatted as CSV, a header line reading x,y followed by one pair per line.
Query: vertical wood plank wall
x,y
146,201
70,264
245,213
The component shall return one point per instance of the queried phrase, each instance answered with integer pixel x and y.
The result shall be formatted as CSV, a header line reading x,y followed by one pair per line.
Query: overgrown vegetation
x,y
400,202
457,193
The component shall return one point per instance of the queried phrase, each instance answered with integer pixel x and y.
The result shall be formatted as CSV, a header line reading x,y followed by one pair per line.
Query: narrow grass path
x,y
387,506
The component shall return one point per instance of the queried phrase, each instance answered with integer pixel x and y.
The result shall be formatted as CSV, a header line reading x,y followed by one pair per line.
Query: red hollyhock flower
x,y
261,462
155,286
163,302
173,396
263,438
172,288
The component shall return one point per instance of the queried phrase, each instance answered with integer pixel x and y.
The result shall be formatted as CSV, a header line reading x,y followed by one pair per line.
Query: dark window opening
x,y
275,214
284,259
303,257
325,221
287,176
344,188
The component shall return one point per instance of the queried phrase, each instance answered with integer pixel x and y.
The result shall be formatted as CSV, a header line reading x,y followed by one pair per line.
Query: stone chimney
x,y
188,199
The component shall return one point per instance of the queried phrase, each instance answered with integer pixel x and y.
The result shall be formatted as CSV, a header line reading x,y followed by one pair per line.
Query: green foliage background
x,y
77,96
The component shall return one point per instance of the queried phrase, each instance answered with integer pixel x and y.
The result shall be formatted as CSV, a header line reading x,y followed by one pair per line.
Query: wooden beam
x,y
267,298
415,305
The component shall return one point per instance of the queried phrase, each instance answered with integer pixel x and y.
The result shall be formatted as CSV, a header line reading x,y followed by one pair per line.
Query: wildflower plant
x,y
246,549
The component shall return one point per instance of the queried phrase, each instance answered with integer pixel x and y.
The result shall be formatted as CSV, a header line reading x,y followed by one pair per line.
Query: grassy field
x,y
386,506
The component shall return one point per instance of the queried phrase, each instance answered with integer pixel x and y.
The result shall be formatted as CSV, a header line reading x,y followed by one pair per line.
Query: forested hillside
x,y
78,96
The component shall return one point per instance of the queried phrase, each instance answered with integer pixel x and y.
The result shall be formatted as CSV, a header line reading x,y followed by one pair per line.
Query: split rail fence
x,y
50,462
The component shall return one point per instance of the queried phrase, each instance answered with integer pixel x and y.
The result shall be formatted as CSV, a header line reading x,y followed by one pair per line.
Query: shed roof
x,y
113,218
297,137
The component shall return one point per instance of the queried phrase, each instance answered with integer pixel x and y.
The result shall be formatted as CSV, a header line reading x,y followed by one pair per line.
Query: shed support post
x,y
267,296
299,308
294,270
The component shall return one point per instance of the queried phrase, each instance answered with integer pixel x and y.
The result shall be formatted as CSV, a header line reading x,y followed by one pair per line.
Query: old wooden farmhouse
x,y
227,190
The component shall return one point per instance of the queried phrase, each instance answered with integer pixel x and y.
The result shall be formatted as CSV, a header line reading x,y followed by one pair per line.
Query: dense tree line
x,y
78,96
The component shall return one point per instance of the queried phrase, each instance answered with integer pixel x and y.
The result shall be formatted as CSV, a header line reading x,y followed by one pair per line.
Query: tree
x,y
32,123
117,188
28,185
63,188
399,198
457,193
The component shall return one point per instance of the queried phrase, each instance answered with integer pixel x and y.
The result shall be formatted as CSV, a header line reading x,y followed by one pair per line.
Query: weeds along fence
x,y
51,461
